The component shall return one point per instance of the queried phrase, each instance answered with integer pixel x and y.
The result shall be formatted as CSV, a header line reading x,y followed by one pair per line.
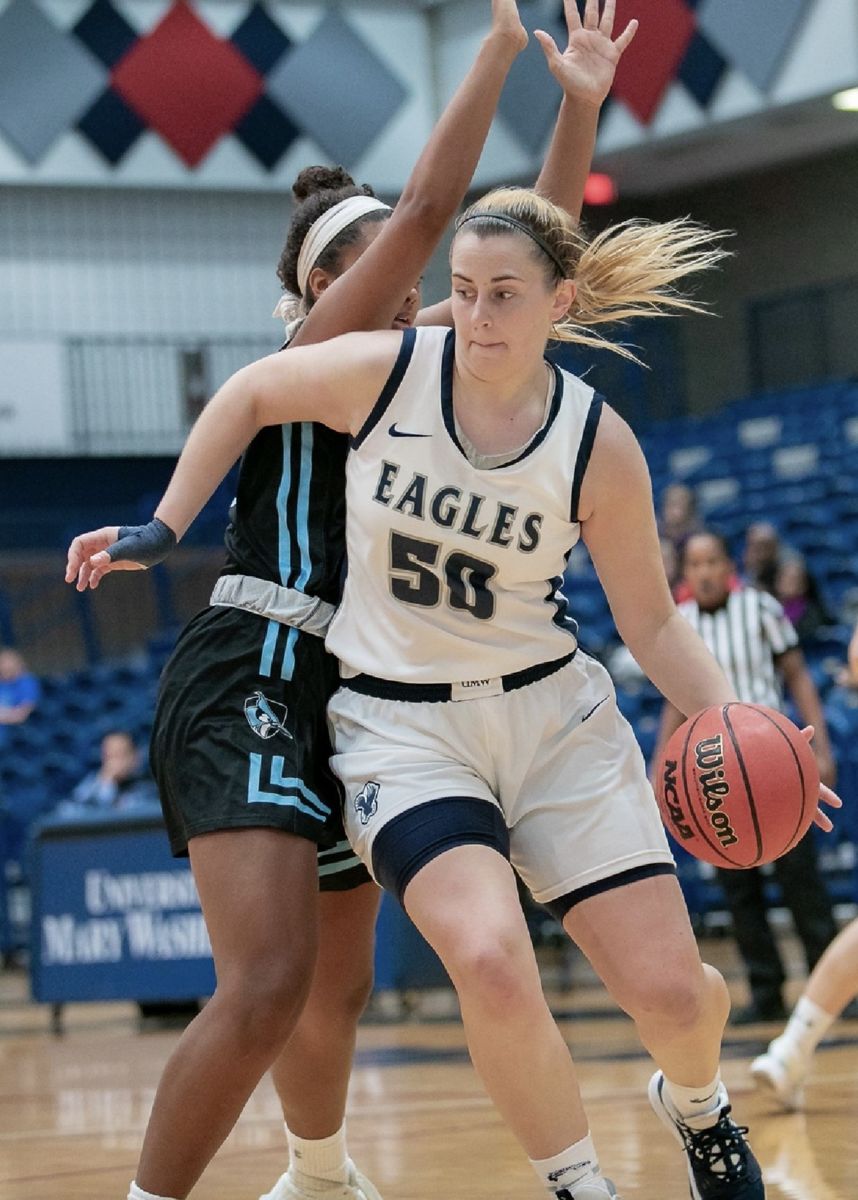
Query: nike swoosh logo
x,y
394,432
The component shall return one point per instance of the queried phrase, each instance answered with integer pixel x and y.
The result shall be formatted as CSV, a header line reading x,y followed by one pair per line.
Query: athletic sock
x,y
806,1027
137,1193
577,1164
323,1159
697,1104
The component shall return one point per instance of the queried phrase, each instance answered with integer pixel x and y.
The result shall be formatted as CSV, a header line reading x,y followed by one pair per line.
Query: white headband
x,y
329,226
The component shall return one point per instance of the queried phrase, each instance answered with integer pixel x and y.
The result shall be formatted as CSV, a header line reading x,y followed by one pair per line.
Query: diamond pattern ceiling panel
x,y
753,36
650,66
528,103
47,79
337,90
185,83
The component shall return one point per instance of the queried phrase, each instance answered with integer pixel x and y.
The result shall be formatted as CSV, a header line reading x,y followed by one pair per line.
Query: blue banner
x,y
115,916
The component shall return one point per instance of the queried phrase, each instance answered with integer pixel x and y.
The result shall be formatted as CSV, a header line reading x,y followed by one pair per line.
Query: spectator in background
x,y
798,593
19,688
757,648
764,555
677,520
120,783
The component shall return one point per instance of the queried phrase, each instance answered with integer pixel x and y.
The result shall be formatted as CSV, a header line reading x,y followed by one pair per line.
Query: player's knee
x,y
344,1001
673,997
492,971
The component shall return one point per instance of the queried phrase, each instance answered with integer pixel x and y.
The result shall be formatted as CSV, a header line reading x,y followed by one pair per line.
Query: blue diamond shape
x,y
312,82
267,132
754,37
47,79
111,126
701,69
105,32
530,99
260,40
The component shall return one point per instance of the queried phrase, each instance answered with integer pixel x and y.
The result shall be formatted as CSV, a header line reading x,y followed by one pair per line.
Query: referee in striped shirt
x,y
757,648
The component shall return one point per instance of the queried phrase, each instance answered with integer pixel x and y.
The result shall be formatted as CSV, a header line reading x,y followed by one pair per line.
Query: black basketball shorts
x,y
240,737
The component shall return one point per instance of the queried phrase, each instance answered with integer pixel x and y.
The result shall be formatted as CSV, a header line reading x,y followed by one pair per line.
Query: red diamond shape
x,y
652,60
187,84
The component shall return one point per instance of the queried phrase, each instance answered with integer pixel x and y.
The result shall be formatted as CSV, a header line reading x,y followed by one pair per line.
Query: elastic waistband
x,y
468,689
310,614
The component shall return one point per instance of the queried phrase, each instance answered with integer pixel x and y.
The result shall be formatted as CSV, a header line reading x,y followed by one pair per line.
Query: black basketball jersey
x,y
288,521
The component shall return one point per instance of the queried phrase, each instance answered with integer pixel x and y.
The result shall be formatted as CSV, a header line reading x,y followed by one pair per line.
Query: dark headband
x,y
516,224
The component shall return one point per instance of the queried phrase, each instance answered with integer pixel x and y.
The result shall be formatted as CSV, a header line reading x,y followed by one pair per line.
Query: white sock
x,y
806,1027
577,1164
322,1159
698,1103
137,1193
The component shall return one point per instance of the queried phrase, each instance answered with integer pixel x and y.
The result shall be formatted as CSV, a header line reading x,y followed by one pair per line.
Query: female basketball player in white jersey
x,y
469,730
312,1076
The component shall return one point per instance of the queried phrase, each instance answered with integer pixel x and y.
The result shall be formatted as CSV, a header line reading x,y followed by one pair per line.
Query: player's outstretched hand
x,y
826,795
585,70
93,555
506,21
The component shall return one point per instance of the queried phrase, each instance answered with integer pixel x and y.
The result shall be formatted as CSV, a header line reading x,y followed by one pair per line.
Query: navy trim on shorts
x,y
406,350
434,693
585,449
561,906
409,841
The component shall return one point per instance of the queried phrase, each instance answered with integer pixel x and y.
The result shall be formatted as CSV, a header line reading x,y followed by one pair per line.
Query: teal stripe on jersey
x,y
287,669
303,515
344,864
268,647
294,793
284,541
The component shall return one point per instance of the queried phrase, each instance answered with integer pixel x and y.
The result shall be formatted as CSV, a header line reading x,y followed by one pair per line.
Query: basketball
x,y
738,785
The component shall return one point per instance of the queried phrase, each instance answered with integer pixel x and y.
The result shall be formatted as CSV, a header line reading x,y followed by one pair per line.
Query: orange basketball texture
x,y
738,785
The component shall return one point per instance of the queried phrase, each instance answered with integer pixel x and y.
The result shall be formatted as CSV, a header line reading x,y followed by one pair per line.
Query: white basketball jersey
x,y
454,571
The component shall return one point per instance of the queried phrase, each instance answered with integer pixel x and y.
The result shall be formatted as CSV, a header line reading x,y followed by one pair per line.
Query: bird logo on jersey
x,y
266,717
366,801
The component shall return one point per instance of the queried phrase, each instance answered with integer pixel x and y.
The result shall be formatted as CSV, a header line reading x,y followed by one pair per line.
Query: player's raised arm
x,y
369,294
585,70
335,383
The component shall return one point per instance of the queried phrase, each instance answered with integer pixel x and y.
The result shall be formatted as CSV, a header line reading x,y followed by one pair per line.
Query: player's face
x,y
707,571
407,313
503,302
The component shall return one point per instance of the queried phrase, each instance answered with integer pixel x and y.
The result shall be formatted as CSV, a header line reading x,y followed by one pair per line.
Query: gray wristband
x,y
144,544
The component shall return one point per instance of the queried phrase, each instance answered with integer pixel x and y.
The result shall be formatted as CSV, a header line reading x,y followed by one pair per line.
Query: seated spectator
x,y
797,591
19,689
763,556
119,785
677,520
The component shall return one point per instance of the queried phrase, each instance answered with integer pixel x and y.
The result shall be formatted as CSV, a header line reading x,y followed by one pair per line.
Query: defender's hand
x,y
585,70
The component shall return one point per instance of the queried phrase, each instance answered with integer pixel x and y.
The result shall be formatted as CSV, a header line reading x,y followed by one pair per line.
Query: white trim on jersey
x,y
746,635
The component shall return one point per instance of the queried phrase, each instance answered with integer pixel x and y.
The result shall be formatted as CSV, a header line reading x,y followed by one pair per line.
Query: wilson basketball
x,y
738,785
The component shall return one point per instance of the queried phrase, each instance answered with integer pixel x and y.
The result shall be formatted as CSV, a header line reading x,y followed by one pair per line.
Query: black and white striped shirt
x,y
745,635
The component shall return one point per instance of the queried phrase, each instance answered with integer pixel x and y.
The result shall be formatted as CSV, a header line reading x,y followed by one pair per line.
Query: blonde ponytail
x,y
630,271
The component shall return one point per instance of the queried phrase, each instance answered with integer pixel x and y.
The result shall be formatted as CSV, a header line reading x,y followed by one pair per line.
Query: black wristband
x,y
144,544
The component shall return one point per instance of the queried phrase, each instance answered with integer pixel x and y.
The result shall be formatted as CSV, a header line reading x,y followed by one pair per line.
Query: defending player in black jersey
x,y
240,742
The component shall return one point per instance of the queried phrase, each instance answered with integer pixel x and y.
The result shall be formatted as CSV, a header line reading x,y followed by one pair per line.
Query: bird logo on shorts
x,y
366,801
266,717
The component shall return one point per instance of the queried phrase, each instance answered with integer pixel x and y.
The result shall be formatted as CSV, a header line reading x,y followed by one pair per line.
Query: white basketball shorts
x,y
556,757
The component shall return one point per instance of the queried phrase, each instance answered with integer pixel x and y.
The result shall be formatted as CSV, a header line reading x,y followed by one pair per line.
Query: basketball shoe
x,y
602,1189
782,1074
721,1164
358,1187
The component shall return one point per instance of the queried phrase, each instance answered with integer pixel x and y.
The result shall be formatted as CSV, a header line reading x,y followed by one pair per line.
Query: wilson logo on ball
x,y
714,788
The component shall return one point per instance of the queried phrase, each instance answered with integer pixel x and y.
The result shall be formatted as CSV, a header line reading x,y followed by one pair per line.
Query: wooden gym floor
x,y
73,1108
